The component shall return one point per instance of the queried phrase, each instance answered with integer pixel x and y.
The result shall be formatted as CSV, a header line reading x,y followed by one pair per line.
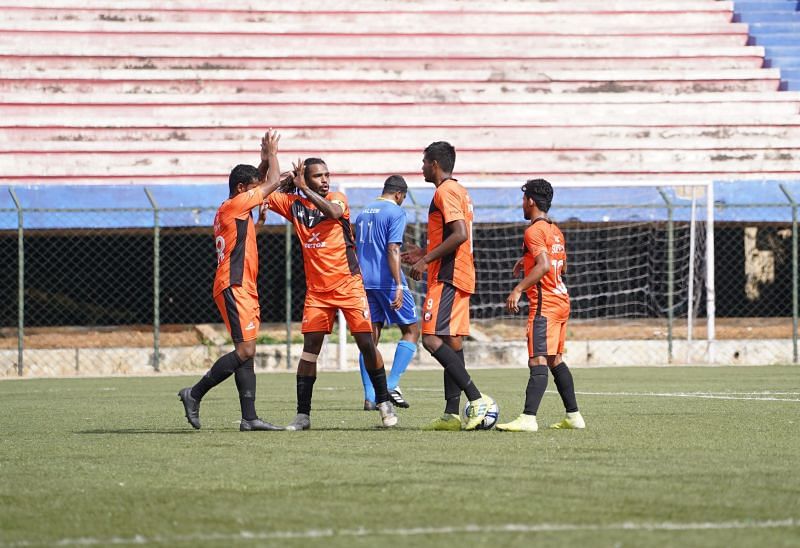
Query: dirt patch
x,y
650,329
502,330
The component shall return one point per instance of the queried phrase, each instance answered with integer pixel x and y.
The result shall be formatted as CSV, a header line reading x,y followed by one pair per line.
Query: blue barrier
x,y
75,206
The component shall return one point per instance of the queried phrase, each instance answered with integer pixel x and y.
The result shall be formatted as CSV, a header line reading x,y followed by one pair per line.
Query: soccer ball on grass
x,y
488,421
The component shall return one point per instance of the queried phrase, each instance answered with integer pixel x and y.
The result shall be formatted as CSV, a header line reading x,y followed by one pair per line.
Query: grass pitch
x,y
671,456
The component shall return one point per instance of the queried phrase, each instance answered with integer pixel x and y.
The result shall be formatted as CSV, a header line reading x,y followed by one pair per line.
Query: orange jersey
x,y
235,240
549,297
451,203
329,250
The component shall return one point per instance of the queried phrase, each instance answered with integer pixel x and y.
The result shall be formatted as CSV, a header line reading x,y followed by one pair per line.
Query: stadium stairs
x,y
160,92
775,25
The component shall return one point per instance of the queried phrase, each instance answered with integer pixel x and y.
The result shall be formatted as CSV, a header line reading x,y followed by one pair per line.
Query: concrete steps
x,y
383,86
440,6
79,66
343,163
232,44
396,22
160,92
38,114
241,138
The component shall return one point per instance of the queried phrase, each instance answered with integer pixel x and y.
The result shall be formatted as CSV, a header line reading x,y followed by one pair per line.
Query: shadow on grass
x,y
146,431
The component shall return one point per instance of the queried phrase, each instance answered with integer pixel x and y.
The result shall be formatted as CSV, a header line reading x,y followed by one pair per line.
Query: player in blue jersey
x,y
379,235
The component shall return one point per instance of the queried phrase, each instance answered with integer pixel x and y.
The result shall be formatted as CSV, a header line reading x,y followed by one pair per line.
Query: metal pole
x,y
20,282
711,306
690,300
794,270
156,282
417,240
287,240
670,272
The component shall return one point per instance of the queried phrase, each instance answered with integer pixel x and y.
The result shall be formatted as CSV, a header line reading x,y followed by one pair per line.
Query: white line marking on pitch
x,y
700,395
248,536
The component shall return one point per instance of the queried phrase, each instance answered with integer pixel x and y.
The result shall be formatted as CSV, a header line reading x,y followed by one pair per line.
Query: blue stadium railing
x,y
775,24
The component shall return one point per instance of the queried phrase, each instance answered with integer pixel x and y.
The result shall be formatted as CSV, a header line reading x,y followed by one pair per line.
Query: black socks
x,y
221,370
566,387
455,368
537,383
378,378
245,377
305,389
452,393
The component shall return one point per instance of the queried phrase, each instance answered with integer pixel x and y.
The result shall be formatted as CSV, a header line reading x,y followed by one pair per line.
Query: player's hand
x,y
397,302
412,254
269,144
300,175
512,301
519,268
418,269
262,213
287,182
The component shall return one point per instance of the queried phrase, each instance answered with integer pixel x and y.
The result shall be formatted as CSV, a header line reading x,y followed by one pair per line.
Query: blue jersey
x,y
381,223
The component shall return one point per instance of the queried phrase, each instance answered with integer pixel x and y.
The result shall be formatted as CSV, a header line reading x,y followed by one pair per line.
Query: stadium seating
x,y
776,25
160,92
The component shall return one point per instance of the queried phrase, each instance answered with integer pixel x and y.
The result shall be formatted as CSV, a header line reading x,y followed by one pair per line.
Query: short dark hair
x,y
395,183
443,153
540,191
242,174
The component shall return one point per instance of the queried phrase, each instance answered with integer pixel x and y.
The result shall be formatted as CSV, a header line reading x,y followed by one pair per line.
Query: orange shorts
x,y
240,312
445,311
321,306
546,336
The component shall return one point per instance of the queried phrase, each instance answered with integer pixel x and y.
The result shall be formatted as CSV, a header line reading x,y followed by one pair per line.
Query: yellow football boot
x,y
523,423
573,421
447,421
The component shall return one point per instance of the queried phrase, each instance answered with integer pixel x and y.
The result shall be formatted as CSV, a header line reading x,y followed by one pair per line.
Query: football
x,y
489,420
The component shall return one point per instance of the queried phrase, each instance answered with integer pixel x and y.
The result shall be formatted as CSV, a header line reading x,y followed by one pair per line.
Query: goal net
x,y
636,256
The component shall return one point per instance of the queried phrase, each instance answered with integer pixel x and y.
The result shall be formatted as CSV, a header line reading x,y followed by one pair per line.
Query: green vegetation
x,y
113,461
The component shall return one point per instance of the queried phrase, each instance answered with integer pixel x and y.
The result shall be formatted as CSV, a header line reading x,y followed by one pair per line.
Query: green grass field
x,y
671,456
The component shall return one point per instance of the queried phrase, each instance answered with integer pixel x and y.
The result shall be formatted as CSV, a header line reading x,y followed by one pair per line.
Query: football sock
x,y
458,372
245,377
403,355
221,370
452,393
369,390
537,383
305,389
566,387
378,378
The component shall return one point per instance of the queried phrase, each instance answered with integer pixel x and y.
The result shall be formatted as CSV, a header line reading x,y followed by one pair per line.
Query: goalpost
x,y
640,259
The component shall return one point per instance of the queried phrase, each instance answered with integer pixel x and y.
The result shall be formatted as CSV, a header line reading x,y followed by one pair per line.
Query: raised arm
x,y
329,209
269,168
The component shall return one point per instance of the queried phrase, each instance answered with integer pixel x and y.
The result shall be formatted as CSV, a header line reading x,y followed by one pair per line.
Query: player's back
x,y
235,243
379,224
549,297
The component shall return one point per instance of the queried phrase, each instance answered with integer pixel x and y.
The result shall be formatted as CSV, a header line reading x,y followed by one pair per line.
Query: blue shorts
x,y
380,307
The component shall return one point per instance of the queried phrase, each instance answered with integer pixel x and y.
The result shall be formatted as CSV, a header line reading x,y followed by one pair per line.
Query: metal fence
x,y
115,289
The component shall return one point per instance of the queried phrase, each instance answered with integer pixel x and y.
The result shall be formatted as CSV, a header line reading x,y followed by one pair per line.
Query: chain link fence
x,y
121,283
